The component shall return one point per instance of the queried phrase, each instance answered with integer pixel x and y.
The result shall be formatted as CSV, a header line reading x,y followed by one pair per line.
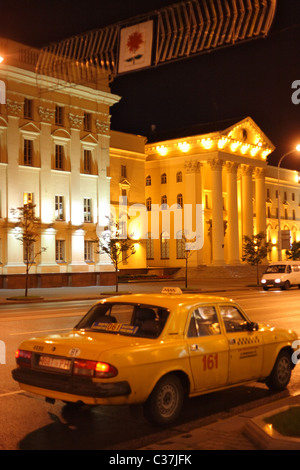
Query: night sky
x,y
250,79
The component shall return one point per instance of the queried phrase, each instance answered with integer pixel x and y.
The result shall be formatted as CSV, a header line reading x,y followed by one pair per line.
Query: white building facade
x,y
54,151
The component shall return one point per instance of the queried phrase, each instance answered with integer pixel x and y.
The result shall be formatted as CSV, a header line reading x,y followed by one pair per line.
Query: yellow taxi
x,y
155,350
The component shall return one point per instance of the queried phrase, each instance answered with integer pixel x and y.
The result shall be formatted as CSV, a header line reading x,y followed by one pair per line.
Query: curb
x,y
267,438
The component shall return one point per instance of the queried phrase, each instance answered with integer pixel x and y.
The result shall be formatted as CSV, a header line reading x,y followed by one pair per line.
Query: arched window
x,y
148,203
164,202
164,246
180,200
148,180
150,247
163,178
179,177
180,245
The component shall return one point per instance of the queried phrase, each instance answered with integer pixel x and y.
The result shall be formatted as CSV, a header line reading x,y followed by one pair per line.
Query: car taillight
x,y
94,369
23,357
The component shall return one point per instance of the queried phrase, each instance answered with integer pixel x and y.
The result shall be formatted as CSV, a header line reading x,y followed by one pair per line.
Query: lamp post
x,y
278,200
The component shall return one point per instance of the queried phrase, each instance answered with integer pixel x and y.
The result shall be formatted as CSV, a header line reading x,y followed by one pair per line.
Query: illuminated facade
x,y
58,151
54,151
226,172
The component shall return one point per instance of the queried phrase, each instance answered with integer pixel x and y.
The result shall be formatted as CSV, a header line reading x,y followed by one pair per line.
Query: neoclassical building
x,y
58,151
226,172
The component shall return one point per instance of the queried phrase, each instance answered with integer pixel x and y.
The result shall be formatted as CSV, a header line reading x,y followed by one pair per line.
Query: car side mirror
x,y
252,326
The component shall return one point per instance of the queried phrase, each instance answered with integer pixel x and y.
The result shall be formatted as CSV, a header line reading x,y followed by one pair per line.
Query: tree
x,y
187,254
112,243
294,252
254,250
28,231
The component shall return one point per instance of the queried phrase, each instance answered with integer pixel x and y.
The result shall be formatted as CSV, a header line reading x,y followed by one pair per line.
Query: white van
x,y
283,274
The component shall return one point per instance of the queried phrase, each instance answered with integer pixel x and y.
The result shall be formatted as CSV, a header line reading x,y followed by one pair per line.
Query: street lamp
x,y
278,199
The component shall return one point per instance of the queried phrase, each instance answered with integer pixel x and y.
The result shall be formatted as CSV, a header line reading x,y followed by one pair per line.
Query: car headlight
x,y
277,281
263,281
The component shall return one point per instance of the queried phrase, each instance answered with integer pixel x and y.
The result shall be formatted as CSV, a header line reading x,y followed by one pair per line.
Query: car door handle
x,y
194,347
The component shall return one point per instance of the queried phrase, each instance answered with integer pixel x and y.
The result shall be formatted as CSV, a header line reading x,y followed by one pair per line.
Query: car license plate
x,y
55,362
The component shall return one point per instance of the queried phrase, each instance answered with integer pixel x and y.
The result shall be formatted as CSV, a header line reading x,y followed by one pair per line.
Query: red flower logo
x,y
134,42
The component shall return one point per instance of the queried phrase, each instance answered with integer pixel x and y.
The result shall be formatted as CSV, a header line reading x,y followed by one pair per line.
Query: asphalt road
x,y
27,422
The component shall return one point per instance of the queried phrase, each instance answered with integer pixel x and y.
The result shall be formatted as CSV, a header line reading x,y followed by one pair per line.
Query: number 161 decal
x,y
210,361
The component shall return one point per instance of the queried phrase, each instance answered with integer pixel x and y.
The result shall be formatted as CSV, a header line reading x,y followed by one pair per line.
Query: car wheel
x,y
286,285
165,402
281,373
265,288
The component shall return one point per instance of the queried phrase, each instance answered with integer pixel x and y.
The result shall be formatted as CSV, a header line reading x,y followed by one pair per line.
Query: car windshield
x,y
140,320
275,268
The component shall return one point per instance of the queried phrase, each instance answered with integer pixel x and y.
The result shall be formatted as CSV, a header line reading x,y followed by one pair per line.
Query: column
x,y
247,204
77,251
260,193
232,214
193,213
217,213
47,257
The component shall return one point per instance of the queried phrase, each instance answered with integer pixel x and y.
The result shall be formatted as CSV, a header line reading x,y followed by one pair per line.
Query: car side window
x,y
233,319
204,322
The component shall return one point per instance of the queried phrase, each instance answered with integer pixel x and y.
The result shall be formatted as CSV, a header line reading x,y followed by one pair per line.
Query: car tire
x,y
165,402
281,373
265,288
286,285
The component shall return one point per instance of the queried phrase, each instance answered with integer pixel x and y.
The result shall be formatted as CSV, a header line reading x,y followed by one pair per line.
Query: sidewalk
x,y
96,292
244,429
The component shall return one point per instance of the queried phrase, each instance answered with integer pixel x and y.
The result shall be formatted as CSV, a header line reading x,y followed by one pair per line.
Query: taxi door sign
x,y
2,92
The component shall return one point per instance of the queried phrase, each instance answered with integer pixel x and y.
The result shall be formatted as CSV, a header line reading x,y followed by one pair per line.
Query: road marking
x,y
11,393
11,317
39,331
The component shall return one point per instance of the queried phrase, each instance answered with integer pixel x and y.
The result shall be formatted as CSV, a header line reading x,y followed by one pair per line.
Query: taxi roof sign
x,y
171,290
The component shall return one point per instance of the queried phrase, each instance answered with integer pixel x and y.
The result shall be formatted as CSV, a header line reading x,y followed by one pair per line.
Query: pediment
x,y
89,139
30,128
124,184
3,122
61,134
248,132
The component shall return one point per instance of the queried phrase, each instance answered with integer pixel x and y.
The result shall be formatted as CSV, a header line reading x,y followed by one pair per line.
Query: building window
x,y
87,210
60,250
164,202
179,177
148,203
28,152
59,157
28,108
148,180
59,115
150,247
163,178
87,161
180,247
164,246
87,122
59,208
180,200
123,171
27,199
88,251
